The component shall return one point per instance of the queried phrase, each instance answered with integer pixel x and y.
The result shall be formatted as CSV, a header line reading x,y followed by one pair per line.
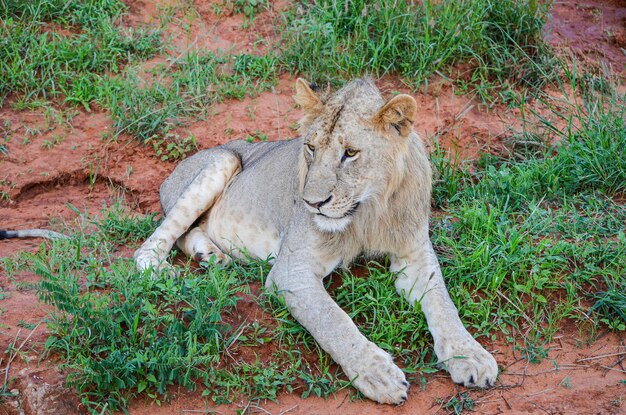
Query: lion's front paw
x,y
377,377
468,362
146,261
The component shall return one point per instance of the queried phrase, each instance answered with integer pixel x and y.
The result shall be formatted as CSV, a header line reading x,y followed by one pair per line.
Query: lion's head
x,y
354,150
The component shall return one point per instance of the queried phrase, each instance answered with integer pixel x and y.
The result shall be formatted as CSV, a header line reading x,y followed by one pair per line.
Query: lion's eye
x,y
350,152
311,147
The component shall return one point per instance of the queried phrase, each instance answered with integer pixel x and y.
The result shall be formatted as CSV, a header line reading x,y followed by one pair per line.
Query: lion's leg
x,y
420,281
197,198
297,275
199,246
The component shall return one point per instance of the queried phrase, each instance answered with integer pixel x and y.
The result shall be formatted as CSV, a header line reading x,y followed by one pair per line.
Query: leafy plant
x,y
174,147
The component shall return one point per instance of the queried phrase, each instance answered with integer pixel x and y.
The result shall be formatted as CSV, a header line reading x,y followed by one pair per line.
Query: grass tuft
x,y
52,49
149,108
501,41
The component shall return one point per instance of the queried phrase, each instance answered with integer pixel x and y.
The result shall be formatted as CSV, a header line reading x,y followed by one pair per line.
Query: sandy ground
x,y
87,171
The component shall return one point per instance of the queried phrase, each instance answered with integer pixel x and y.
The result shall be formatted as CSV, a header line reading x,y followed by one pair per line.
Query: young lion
x,y
356,182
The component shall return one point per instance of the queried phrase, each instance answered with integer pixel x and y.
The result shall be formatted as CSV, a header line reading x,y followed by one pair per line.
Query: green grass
x,y
541,233
77,53
501,41
59,50
149,108
249,8
141,334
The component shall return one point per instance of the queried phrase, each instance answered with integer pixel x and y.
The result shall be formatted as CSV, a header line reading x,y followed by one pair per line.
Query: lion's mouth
x,y
349,213
353,209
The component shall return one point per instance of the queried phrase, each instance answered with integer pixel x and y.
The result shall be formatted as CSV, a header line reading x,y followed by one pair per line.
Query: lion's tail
x,y
32,233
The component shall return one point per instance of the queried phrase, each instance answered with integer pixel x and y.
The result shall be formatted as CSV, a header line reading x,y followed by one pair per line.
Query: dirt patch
x,y
561,384
594,31
210,25
50,165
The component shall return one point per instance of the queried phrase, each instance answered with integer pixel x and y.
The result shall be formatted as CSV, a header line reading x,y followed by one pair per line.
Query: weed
x,y
450,175
14,349
533,352
29,326
93,175
611,303
118,225
540,224
84,68
257,335
173,147
459,403
249,8
566,383
256,136
56,140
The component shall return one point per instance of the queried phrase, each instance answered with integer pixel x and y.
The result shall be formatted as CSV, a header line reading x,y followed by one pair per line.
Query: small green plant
x,y
173,147
197,80
457,404
56,140
29,326
611,302
566,383
119,225
249,8
256,136
7,186
533,352
257,335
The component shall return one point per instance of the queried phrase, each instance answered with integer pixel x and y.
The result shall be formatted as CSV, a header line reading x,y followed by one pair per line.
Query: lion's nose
x,y
317,205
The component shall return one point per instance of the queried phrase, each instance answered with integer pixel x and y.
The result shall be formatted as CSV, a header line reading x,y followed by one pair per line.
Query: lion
x,y
356,182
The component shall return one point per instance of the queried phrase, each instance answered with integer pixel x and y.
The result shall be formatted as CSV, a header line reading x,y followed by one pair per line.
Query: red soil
x,y
88,171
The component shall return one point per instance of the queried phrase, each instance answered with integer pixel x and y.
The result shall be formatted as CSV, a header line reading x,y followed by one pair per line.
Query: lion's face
x,y
353,150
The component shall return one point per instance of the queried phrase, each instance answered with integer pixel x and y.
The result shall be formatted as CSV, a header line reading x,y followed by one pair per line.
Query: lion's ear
x,y
307,98
399,113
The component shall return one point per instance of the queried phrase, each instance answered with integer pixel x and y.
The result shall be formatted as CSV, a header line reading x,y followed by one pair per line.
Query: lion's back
x,y
268,177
